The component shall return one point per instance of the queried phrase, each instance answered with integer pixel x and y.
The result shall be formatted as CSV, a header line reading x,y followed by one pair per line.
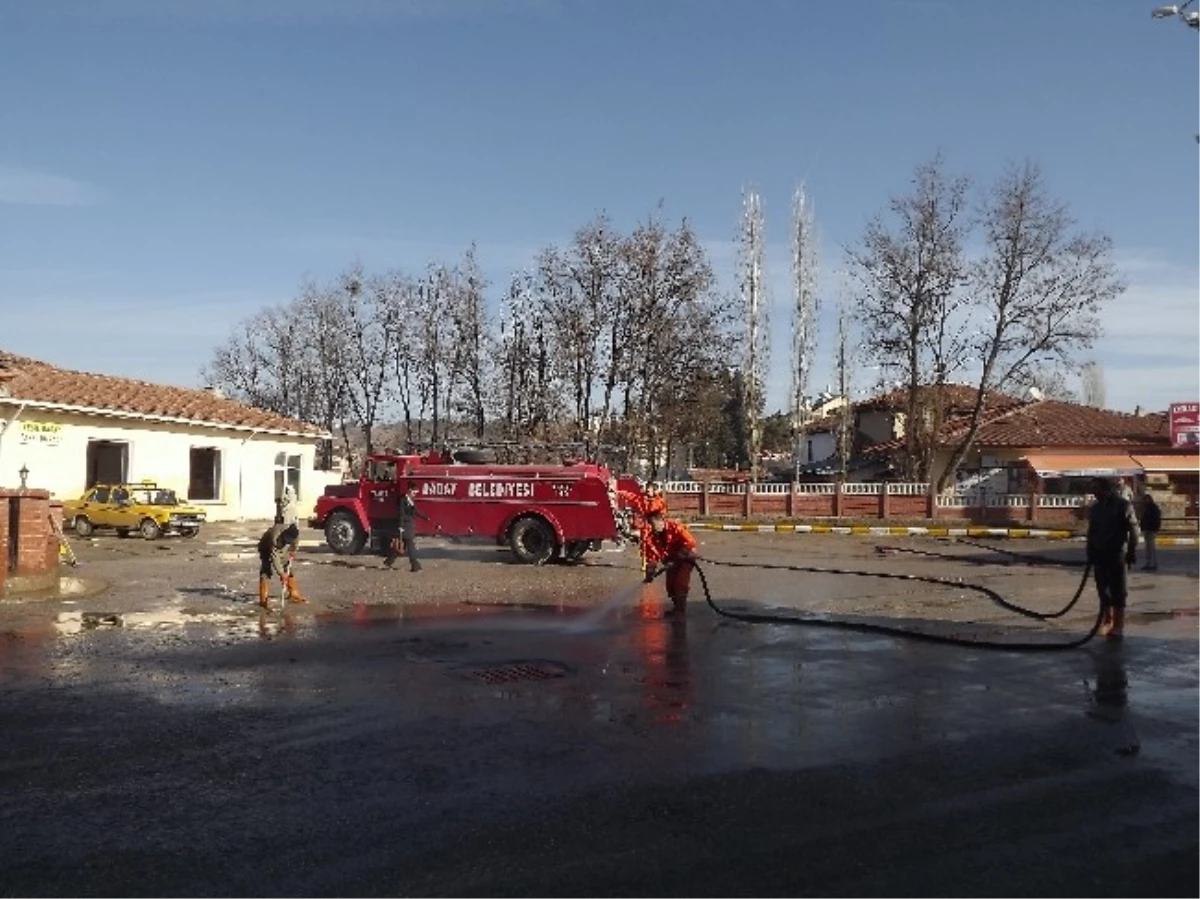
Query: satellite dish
x,y
1036,394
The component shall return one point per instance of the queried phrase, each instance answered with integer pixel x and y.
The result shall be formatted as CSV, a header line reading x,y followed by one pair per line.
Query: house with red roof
x,y
67,430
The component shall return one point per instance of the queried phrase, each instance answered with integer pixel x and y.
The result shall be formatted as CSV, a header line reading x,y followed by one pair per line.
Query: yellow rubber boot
x,y
264,592
293,592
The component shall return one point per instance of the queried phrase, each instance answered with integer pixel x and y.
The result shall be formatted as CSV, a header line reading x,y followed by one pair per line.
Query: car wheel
x,y
532,541
343,534
189,532
149,529
83,527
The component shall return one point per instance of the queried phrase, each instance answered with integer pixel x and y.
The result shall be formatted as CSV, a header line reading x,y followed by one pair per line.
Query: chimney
x,y
1137,410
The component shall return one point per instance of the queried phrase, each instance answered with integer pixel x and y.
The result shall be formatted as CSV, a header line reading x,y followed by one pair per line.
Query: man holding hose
x,y
670,544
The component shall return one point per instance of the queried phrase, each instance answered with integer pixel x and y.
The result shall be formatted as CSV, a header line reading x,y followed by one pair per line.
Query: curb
x,y
885,530
915,531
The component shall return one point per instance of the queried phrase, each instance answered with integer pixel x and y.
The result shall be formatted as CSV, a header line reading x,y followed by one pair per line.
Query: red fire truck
x,y
541,512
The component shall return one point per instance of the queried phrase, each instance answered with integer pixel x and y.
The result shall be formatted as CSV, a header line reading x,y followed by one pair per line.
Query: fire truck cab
x,y
541,512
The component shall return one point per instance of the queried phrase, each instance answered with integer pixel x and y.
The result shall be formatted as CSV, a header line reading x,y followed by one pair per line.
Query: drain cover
x,y
517,671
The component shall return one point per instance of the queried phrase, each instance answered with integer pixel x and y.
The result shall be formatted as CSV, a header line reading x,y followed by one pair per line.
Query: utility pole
x,y
755,305
804,316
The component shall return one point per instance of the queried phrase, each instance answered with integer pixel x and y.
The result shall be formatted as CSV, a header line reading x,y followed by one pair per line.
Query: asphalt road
x,y
484,728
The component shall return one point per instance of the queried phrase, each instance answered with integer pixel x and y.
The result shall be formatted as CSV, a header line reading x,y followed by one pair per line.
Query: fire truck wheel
x,y
532,541
575,549
343,534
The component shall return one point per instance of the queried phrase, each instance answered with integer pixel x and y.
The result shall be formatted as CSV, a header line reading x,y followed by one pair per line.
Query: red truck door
x,y
380,490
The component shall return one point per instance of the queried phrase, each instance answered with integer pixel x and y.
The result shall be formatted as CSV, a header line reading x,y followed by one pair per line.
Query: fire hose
x,y
907,633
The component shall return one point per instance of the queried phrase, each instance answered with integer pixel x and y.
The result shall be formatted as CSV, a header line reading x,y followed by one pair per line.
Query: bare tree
x,y
369,317
804,314
468,313
678,325
523,374
1038,290
844,439
1091,384
909,277
755,304
581,287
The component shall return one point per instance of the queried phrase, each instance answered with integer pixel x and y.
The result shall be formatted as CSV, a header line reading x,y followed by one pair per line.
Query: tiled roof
x,y
958,397
1055,423
39,382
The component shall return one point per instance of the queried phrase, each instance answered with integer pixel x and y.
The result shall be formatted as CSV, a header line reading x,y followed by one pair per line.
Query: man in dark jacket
x,y
1151,525
406,531
276,547
1112,540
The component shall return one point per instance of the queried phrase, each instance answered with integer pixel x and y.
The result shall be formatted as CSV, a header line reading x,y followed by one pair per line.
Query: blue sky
x,y
168,167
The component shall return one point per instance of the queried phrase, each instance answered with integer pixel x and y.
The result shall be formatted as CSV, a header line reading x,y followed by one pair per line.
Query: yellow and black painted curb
x,y
909,531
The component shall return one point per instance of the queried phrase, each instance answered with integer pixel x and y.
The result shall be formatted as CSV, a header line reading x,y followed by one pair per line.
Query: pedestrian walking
x,y
1151,522
672,546
1112,539
403,541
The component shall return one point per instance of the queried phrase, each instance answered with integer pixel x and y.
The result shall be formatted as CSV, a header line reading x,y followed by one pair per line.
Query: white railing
x,y
954,498
1061,502
861,489
683,487
827,489
772,489
908,489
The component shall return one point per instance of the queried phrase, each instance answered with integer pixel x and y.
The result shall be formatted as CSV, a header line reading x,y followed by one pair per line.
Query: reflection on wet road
x,y
459,748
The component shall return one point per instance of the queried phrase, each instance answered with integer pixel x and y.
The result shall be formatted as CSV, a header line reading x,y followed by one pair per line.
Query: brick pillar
x,y
884,509
837,499
1034,493
3,541
748,500
789,508
703,498
931,502
35,566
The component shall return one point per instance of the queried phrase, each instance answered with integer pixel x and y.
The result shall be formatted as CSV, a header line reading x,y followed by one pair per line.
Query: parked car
x,y
144,507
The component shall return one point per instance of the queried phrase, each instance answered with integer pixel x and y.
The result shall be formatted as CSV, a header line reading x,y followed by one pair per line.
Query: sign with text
x,y
1185,424
42,433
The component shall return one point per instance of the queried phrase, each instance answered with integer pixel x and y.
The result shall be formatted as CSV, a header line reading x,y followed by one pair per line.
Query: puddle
x,y
68,586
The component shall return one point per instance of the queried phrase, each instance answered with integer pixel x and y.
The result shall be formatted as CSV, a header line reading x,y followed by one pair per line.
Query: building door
x,y
107,462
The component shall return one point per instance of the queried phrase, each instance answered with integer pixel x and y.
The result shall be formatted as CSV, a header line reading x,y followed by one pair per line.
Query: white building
x,y
69,430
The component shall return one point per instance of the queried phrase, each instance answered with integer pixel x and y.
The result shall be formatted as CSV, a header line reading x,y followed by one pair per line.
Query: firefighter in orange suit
x,y
276,548
644,505
671,545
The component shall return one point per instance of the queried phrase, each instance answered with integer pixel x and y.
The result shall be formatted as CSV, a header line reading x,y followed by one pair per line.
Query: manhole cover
x,y
518,671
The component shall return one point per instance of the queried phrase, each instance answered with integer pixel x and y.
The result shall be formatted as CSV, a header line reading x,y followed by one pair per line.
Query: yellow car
x,y
146,508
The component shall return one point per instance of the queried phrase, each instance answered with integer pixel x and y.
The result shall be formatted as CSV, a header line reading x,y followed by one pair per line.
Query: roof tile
x,y
34,381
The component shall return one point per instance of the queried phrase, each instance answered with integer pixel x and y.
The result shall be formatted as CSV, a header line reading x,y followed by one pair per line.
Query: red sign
x,y
1185,424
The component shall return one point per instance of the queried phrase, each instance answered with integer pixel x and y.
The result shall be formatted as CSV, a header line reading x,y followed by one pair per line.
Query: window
x,y
287,474
325,456
204,473
107,462
99,495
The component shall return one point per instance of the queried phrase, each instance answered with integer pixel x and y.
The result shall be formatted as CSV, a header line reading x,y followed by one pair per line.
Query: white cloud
x,y
27,187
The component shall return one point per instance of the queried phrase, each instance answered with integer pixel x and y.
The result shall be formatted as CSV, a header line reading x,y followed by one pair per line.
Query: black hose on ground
x,y
893,631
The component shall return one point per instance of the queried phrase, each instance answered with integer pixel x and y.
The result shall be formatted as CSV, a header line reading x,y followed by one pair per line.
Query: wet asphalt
x,y
484,728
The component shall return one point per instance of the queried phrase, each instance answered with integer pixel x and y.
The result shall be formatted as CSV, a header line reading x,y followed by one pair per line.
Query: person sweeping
x,y
276,549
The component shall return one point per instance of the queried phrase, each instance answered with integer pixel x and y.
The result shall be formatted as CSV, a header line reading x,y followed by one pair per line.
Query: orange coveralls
x,y
643,505
674,546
